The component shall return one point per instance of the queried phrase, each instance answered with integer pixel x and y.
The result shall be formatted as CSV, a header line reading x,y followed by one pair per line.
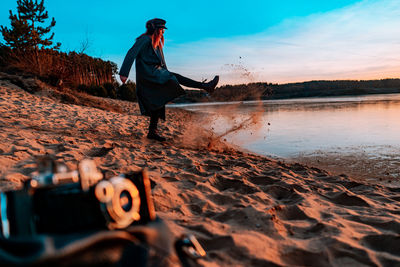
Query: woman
x,y
155,84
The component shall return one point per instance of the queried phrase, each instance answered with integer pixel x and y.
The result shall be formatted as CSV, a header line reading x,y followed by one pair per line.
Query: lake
x,y
357,135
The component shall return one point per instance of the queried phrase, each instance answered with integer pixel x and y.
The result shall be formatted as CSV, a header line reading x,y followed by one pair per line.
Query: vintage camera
x,y
58,201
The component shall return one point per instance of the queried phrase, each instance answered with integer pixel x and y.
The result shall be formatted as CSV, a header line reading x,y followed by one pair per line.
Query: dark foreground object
x,y
70,202
141,245
79,218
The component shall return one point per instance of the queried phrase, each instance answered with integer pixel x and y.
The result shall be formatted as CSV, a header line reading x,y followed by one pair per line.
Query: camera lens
x,y
125,200
124,206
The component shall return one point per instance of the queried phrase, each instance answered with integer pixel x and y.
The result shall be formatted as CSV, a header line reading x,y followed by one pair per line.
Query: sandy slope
x,y
246,210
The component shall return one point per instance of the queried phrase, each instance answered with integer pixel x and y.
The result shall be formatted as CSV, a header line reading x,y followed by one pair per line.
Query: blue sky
x,y
243,41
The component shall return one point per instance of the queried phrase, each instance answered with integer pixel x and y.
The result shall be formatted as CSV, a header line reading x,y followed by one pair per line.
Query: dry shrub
x,y
58,68
26,82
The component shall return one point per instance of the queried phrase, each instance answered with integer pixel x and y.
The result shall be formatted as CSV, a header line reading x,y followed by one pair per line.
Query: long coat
x,y
155,85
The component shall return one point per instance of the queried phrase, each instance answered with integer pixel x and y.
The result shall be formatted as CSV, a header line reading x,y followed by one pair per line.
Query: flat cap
x,y
156,24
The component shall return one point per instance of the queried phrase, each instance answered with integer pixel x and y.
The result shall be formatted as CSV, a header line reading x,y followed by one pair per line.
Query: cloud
x,y
360,41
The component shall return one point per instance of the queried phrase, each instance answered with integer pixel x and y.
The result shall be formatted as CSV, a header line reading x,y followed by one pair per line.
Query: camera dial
x,y
121,200
104,191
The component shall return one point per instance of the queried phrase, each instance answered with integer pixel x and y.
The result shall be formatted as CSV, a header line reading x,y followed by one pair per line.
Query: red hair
x,y
157,39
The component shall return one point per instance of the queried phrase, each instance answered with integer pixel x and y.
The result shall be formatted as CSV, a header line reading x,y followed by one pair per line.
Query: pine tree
x,y
26,32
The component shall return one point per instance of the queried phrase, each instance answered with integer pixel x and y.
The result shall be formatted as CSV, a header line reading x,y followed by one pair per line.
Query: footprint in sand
x,y
221,199
284,195
213,168
263,180
302,257
345,199
383,243
236,185
99,151
293,212
217,242
379,222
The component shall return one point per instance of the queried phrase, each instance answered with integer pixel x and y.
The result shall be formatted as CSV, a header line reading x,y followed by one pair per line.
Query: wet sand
x,y
245,209
373,164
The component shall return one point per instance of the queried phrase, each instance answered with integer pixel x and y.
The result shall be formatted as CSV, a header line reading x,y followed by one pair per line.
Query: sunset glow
x,y
254,41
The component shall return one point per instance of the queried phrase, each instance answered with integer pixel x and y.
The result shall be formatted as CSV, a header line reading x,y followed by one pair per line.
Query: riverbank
x,y
245,209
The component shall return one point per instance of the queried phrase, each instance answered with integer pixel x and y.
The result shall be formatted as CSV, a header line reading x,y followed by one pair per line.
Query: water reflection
x,y
304,125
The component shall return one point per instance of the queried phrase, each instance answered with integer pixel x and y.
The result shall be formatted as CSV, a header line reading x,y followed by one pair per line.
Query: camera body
x,y
55,201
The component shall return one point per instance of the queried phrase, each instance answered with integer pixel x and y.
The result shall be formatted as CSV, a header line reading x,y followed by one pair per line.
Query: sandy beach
x,y
245,209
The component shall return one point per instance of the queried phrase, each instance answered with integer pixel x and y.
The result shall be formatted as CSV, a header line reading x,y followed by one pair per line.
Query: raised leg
x,y
188,82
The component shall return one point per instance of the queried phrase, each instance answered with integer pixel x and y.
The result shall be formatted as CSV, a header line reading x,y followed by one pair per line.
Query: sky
x,y
242,41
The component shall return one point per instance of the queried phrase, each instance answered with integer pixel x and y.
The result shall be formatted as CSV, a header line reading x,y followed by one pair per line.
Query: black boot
x,y
154,136
153,128
210,86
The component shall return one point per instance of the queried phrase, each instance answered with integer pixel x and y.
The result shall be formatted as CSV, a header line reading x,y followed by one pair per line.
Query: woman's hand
x,y
123,79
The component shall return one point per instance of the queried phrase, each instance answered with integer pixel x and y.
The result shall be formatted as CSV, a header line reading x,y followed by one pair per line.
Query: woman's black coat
x,y
155,85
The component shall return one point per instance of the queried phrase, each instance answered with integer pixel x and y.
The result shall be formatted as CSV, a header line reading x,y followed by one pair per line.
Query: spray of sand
x,y
239,69
251,121
199,132
197,136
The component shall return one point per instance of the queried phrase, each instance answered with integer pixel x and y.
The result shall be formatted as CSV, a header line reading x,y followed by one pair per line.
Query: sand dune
x,y
246,210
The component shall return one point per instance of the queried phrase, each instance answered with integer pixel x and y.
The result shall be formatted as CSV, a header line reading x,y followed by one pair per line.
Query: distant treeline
x,y
76,71
254,91
29,50
334,88
58,68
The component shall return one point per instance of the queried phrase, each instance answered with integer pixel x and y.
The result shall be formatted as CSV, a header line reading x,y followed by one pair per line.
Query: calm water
x,y
289,128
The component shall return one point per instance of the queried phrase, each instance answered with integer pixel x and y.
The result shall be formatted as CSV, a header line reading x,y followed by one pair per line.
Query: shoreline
x,y
245,209
283,101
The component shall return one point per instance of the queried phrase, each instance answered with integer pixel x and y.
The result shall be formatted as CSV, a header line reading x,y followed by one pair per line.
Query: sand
x,y
245,209
375,164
